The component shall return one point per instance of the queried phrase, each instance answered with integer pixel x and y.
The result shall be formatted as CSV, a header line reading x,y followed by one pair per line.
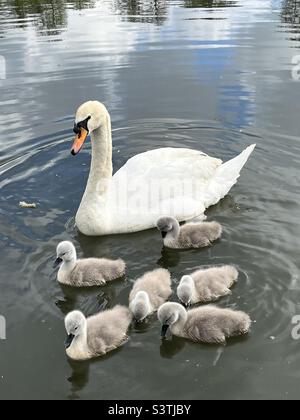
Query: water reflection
x,y
145,11
92,299
169,258
79,377
291,13
169,348
209,3
80,372
49,17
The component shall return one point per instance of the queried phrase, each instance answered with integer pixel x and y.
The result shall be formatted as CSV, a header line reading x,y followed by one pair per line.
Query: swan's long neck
x,y
79,349
178,327
173,235
101,165
92,216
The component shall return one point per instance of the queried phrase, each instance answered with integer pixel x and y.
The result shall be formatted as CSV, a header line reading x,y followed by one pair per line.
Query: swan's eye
x,y
82,124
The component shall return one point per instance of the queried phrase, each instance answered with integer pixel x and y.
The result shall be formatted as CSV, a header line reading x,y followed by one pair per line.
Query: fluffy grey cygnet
x,y
97,335
207,285
190,235
149,293
207,324
87,272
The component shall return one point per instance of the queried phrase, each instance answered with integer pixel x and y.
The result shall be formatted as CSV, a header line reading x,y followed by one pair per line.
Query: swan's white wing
x,y
163,181
226,177
170,163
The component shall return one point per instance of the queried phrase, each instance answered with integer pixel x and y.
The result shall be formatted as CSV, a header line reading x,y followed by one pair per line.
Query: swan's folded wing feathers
x,y
226,177
170,163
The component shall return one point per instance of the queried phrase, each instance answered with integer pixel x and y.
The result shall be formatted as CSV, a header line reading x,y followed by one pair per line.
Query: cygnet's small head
x,y
140,306
89,117
75,323
168,315
185,290
167,225
65,252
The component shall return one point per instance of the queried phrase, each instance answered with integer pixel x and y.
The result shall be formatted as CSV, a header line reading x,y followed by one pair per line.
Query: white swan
x,y
171,181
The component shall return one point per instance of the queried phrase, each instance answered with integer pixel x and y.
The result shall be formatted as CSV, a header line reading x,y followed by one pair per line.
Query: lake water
x,y
210,75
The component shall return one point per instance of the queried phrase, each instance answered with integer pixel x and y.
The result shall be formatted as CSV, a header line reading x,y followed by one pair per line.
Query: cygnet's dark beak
x,y
164,331
57,262
164,234
69,341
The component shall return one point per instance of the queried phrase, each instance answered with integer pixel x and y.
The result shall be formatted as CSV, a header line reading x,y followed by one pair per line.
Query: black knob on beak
x,y
57,262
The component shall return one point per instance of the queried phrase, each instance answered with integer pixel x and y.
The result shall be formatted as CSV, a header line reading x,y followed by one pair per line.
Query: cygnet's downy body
x,y
149,293
87,272
208,285
207,324
190,235
98,335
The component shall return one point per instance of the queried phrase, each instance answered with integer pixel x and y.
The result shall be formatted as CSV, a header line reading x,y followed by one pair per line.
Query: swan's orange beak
x,y
79,141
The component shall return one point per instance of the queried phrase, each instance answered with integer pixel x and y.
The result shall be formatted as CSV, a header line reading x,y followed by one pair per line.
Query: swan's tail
x,y
226,177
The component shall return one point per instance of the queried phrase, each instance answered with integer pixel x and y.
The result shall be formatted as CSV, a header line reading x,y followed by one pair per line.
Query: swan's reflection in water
x,y
80,373
171,347
144,326
169,258
92,300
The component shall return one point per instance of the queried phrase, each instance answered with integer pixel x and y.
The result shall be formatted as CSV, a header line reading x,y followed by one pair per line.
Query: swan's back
x,y
211,324
157,284
96,271
199,234
108,330
214,282
176,182
162,181
172,164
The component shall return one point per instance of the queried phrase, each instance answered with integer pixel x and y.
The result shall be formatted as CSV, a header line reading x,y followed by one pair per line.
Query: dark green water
x,y
211,75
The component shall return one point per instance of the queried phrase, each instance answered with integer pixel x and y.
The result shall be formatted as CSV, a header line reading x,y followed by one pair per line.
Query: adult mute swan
x,y
171,181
